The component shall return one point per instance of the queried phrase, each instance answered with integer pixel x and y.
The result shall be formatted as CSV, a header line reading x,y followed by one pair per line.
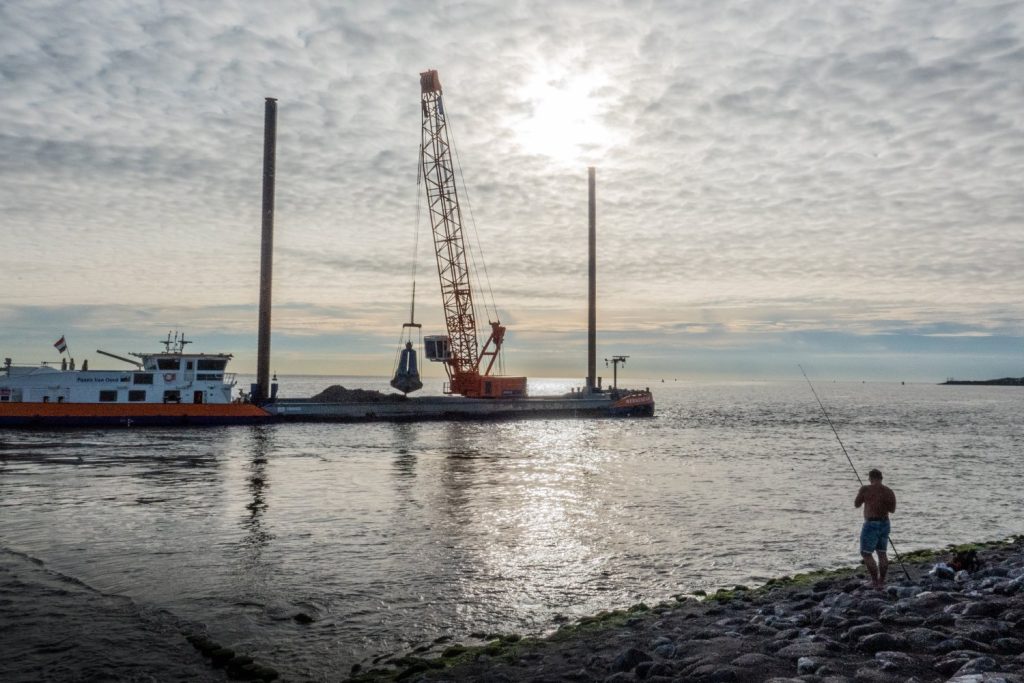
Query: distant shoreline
x,y
1004,382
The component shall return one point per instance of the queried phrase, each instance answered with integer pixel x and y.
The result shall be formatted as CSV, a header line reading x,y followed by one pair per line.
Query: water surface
x,y
392,535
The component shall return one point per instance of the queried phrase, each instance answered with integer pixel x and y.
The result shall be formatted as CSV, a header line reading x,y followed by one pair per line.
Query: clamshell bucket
x,y
407,376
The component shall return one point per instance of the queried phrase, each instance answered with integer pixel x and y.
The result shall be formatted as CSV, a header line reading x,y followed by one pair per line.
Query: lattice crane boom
x,y
463,358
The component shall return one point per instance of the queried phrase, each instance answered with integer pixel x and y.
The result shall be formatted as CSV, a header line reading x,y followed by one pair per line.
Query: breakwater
x,y
933,624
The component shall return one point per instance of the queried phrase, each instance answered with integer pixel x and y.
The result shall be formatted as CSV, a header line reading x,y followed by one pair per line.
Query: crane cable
x,y
415,256
476,234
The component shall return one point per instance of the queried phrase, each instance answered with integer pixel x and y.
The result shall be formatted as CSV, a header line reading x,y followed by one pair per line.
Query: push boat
x,y
172,387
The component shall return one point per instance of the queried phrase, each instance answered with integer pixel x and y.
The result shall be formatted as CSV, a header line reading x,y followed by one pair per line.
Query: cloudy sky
x,y
838,184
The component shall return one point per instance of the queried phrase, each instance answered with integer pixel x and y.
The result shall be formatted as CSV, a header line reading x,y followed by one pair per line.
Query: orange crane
x,y
460,350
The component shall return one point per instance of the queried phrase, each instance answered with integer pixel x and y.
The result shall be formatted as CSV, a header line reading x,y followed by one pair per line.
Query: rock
x,y
876,642
872,606
628,660
951,664
665,650
950,645
987,678
923,638
977,666
985,608
891,661
862,630
940,619
1009,645
650,670
712,673
752,660
620,677
806,665
805,648
868,674
661,640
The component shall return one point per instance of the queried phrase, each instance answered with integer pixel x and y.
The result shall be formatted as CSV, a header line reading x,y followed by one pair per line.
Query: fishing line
x,y
849,459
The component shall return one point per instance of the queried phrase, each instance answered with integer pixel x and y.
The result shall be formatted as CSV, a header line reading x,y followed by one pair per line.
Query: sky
x,y
835,184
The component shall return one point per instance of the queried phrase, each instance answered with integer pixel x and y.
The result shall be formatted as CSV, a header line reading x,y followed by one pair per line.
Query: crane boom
x,y
446,222
462,355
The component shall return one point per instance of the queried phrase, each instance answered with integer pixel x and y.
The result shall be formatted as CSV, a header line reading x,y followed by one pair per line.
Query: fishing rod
x,y
849,459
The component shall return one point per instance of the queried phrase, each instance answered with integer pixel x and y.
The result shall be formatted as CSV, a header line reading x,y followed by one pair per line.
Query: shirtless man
x,y
879,502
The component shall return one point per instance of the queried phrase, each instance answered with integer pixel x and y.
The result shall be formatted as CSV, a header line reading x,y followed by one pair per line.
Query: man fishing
x,y
879,502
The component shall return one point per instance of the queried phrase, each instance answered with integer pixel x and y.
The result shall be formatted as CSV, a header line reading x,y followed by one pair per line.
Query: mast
x,y
266,250
592,282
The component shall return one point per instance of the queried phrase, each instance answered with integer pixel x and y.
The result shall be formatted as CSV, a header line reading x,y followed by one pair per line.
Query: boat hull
x,y
61,415
47,415
639,404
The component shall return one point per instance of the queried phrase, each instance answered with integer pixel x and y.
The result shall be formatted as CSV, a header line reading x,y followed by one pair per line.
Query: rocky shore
x,y
828,627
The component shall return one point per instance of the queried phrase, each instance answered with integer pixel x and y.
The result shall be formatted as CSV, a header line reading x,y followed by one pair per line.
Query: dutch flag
x,y
61,345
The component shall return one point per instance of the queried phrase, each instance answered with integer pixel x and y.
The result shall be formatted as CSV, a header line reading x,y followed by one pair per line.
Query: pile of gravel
x,y
339,394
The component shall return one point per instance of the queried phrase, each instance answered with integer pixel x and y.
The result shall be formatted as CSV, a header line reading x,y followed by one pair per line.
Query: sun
x,y
564,117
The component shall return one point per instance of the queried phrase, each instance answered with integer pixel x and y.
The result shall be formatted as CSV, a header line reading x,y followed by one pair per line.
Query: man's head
x,y
875,475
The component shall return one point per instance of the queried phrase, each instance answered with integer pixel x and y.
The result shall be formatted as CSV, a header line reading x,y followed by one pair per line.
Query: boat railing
x,y
229,378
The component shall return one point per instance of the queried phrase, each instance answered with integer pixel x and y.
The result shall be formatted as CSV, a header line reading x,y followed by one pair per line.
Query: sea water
x,y
115,543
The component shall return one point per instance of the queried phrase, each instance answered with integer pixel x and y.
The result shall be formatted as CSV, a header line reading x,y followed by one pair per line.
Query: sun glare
x,y
564,121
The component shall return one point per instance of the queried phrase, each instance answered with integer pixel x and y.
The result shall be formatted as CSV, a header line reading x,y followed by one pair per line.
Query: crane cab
x,y
438,348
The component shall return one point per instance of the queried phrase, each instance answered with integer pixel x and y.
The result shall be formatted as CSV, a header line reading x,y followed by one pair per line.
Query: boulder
x,y
628,660
876,642
977,666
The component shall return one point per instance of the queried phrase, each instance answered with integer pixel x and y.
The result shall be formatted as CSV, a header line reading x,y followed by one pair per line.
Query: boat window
x,y
108,395
210,364
168,363
172,396
188,365
209,377
136,394
143,378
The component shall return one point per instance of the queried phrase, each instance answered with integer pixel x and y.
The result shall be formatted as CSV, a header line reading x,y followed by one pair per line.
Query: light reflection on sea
x,y
391,535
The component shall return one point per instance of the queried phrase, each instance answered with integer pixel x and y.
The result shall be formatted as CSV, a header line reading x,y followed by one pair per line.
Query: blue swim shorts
x,y
874,536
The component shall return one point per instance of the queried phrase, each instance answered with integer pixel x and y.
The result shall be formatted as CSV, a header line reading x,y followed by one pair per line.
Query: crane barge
x,y
473,390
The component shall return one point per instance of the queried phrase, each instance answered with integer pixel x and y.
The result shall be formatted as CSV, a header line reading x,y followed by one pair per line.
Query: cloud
x,y
774,168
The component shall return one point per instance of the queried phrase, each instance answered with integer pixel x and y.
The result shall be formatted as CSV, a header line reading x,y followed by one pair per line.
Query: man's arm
x,y
892,502
859,500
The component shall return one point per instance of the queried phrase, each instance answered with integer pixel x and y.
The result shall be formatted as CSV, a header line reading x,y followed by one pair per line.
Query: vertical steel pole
x,y
592,294
266,249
